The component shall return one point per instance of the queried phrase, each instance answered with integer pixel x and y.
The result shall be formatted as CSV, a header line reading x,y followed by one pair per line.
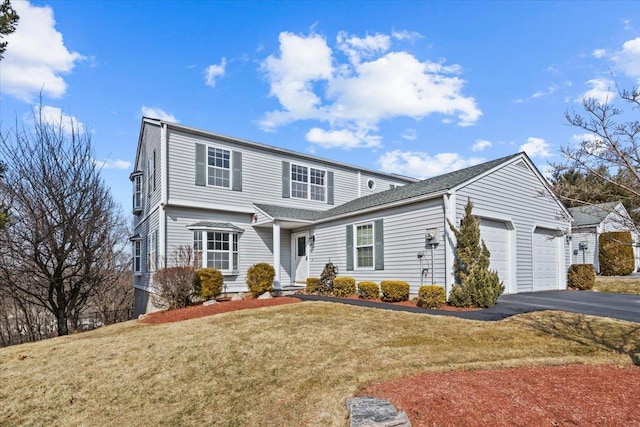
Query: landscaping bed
x,y
570,395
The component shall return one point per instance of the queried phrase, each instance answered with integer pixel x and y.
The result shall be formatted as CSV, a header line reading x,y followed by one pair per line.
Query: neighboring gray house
x,y
238,203
590,221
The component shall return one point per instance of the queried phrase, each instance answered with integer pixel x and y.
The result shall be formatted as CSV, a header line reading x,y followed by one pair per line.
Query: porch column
x,y
276,254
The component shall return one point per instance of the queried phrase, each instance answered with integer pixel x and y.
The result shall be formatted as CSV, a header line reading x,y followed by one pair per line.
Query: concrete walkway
x,y
617,306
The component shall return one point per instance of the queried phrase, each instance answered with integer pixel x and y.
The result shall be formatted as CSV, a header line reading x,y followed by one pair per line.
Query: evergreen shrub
x,y
260,278
581,276
394,290
208,283
313,283
368,290
431,296
615,253
344,286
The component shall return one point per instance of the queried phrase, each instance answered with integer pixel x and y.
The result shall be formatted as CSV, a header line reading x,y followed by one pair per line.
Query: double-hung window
x,y
218,167
137,256
364,245
136,179
152,251
216,249
151,172
308,183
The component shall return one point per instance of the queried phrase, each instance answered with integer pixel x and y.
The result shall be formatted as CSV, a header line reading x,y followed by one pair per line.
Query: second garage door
x,y
496,236
546,260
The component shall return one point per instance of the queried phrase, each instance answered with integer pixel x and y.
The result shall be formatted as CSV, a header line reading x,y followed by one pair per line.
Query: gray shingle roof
x,y
591,214
215,226
409,191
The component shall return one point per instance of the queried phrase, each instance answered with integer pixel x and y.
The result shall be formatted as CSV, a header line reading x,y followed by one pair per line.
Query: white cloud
x,y
591,142
410,134
599,53
536,147
406,35
601,90
158,113
627,59
113,164
352,97
481,144
56,117
343,138
214,71
36,57
422,165
550,90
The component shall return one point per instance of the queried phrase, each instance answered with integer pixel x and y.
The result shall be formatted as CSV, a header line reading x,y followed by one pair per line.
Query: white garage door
x,y
496,236
546,259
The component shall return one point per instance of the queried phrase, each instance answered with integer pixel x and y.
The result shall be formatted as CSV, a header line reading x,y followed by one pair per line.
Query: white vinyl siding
x,y
262,176
516,192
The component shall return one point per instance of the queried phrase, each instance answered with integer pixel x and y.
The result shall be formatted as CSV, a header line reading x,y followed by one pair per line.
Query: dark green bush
x,y
482,288
431,296
313,283
394,290
615,253
260,278
208,283
344,286
581,276
368,290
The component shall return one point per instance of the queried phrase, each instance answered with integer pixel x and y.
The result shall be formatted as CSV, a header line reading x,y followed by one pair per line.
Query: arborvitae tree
x,y
476,285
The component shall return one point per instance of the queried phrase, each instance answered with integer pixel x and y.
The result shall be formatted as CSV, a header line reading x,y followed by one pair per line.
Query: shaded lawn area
x,y
293,364
622,285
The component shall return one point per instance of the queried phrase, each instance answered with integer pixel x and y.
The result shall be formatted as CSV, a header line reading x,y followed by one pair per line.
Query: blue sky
x,y
416,88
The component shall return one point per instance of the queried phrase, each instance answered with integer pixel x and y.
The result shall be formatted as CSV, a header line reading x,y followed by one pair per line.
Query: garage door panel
x,y
546,260
495,235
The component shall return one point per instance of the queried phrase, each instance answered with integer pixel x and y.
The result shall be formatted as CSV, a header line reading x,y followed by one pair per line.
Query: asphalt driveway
x,y
617,306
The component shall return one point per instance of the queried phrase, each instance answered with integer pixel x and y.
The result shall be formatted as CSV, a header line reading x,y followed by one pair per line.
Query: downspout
x,y
164,190
449,201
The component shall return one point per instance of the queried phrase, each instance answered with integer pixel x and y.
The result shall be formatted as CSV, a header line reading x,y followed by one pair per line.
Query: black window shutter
x,y
378,249
286,180
349,247
330,188
201,164
236,158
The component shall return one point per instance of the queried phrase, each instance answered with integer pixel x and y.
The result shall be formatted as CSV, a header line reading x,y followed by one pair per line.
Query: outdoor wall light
x,y
312,240
568,238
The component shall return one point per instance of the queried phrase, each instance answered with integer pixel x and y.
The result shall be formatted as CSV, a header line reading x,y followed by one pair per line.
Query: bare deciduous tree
x,y
605,166
66,230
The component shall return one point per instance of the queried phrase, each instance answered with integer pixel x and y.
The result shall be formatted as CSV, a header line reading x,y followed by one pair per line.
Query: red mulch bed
x,y
196,311
574,395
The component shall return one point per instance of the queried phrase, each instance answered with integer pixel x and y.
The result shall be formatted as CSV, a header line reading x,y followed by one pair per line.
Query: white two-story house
x,y
237,203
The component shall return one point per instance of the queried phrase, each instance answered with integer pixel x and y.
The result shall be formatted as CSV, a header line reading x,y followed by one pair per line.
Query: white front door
x,y
300,255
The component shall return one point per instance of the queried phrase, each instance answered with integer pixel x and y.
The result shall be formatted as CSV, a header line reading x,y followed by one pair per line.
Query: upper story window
x,y
136,179
151,172
308,183
218,167
364,245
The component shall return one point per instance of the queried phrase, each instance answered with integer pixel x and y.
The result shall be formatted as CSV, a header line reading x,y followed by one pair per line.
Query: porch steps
x,y
288,290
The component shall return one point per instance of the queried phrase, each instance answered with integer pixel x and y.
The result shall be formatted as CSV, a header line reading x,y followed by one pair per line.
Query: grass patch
x,y
285,365
619,285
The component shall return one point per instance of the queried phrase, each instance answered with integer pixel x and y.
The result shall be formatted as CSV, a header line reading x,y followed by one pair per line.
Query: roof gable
x,y
593,215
